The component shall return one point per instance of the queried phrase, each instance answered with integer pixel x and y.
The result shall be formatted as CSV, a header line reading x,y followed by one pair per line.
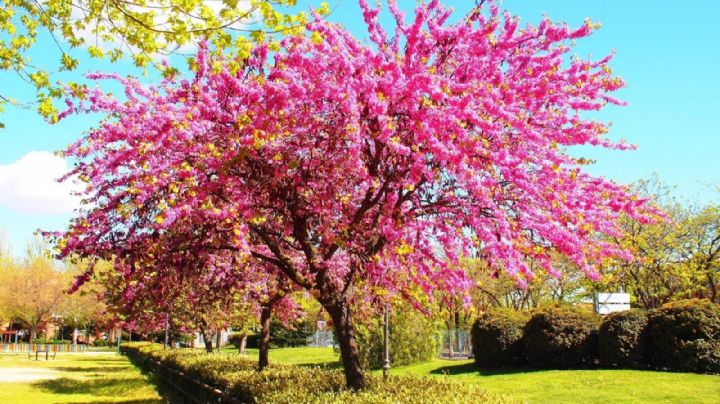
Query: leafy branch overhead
x,y
139,29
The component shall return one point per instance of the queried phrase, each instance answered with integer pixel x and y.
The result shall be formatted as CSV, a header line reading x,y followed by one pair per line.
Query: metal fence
x,y
455,344
25,347
191,389
322,339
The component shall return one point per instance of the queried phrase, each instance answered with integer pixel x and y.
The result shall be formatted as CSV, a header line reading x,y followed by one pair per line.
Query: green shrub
x,y
100,342
253,341
235,339
685,336
295,334
621,337
560,338
413,338
497,338
238,377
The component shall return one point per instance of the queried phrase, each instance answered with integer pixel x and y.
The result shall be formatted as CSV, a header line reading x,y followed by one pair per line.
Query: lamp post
x,y
386,342
167,327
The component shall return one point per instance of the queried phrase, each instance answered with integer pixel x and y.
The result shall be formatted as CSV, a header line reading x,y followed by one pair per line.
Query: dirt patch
x,y
12,375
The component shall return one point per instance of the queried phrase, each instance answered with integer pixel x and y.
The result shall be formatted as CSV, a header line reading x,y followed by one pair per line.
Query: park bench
x,y
48,353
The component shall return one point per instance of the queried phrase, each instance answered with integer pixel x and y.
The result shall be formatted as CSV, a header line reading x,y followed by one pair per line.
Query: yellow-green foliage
x,y
139,29
292,384
413,338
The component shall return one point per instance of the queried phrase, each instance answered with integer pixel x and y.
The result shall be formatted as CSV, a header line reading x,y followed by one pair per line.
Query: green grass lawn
x,y
77,378
544,386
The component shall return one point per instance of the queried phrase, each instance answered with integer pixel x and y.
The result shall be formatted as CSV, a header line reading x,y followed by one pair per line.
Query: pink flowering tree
x,y
378,165
177,277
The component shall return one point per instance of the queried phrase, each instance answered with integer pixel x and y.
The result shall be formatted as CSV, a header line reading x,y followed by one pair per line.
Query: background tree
x,y
5,271
79,310
701,251
344,165
32,292
659,273
494,288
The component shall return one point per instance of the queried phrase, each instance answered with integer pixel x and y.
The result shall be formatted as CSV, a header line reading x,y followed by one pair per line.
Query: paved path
x,y
12,375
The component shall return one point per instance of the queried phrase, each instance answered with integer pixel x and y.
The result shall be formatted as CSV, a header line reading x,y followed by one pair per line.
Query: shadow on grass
x,y
159,401
471,368
166,391
111,386
101,360
93,369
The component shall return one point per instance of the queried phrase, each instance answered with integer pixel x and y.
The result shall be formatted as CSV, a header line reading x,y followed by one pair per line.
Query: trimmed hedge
x,y
560,338
621,337
413,338
238,377
497,338
685,336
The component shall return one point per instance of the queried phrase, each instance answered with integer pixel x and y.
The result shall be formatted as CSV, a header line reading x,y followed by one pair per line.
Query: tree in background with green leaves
x,y
702,254
674,259
142,30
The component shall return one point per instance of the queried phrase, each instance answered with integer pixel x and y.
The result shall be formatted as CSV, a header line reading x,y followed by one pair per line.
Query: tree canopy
x,y
364,169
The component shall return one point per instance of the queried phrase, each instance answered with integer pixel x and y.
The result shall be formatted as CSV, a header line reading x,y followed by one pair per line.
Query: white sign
x,y
611,302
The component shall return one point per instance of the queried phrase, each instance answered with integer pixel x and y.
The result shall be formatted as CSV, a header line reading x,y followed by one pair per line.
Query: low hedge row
x,y
681,336
238,377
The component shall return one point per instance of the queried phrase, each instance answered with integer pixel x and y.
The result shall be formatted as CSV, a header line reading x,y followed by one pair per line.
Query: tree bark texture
x,y
340,314
265,315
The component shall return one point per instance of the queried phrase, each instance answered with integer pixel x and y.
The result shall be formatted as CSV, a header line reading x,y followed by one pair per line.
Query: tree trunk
x,y
207,340
264,337
74,336
33,335
713,289
218,340
243,344
340,314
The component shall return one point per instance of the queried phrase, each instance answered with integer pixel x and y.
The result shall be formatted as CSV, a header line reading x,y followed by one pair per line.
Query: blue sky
x,y
668,52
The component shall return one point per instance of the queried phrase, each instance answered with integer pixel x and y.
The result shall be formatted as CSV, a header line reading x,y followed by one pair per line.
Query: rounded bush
x,y
685,336
620,339
497,338
413,338
560,338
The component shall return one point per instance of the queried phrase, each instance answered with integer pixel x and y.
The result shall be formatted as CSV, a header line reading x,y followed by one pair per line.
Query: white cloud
x,y
30,185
